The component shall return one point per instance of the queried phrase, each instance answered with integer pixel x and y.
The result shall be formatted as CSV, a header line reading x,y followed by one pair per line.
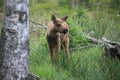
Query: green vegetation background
x,y
90,17
96,18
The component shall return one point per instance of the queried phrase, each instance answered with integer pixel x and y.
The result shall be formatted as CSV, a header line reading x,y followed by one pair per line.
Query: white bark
x,y
14,41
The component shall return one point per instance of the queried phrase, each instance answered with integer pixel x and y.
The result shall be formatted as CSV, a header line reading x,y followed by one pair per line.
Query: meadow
x,y
85,63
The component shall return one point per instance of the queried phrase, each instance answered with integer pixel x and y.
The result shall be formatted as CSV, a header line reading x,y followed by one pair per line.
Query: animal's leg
x,y
51,53
57,49
66,46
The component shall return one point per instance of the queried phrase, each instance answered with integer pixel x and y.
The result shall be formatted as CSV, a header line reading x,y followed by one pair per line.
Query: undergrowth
x,y
84,64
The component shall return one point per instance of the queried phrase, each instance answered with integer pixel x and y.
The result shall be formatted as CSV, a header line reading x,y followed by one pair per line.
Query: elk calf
x,y
57,34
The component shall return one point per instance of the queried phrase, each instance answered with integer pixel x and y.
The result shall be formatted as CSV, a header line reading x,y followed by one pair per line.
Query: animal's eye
x,y
58,25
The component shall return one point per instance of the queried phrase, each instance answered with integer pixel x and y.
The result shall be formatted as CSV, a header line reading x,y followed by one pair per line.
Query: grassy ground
x,y
85,64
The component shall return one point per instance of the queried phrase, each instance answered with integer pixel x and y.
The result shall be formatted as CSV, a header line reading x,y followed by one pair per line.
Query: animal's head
x,y
59,24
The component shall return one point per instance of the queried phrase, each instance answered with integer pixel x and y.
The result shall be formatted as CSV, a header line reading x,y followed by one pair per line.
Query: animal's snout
x,y
65,31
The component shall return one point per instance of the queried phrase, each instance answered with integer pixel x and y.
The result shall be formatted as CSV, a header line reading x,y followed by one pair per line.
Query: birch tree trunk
x,y
14,41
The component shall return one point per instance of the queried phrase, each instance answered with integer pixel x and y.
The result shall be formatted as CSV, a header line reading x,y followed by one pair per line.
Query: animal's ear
x,y
64,18
53,17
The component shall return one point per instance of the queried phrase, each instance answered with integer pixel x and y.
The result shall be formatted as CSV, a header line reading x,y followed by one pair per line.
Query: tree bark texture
x,y
14,41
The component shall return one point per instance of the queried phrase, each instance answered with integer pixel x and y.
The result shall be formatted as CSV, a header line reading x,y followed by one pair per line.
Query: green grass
x,y
85,64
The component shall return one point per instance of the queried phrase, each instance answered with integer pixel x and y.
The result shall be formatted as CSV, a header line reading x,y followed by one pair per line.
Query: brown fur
x,y
57,33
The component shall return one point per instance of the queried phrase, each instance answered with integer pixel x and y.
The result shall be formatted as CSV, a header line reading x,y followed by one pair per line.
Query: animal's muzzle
x,y
65,31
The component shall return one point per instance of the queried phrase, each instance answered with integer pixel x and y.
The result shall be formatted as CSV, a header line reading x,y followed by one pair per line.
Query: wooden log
x,y
94,40
32,77
40,25
111,48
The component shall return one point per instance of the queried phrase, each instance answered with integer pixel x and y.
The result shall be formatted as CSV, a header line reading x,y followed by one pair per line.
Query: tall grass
x,y
85,64
88,64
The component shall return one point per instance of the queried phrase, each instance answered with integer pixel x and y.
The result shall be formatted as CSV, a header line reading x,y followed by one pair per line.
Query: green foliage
x,y
64,2
85,64
42,6
115,4
75,34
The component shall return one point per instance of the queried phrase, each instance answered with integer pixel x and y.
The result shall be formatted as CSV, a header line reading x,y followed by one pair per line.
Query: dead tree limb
x,y
41,25
32,77
111,48
84,47
94,40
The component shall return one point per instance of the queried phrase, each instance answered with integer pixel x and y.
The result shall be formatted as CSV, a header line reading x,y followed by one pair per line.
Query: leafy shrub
x,y
77,37
85,64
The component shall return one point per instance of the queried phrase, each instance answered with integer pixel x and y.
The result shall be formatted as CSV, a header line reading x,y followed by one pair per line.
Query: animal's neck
x,y
53,33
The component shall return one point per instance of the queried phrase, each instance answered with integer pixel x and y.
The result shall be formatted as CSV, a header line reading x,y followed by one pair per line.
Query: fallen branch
x,y
94,40
41,25
84,47
111,42
32,77
110,47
